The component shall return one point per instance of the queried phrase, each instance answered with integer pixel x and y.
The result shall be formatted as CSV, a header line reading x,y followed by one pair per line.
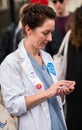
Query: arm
x,y
12,88
34,100
14,94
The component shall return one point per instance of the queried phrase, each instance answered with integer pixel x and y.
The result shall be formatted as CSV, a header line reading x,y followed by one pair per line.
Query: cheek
x,y
40,38
37,42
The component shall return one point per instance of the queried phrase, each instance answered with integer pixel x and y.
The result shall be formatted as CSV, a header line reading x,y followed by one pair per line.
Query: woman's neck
x,y
30,49
33,52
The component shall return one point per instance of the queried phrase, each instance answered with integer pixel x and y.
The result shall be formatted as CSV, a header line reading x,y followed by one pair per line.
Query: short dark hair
x,y
34,15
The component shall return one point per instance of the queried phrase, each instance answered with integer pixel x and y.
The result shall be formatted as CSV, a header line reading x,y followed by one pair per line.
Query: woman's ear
x,y
28,30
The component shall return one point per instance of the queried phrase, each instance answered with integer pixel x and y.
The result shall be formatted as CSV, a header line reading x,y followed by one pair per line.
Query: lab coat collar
x,y
45,56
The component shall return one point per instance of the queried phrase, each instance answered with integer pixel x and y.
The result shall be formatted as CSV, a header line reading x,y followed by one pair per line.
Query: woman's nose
x,y
49,37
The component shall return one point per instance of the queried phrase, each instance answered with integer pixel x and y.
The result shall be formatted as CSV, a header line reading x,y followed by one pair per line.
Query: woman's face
x,y
40,36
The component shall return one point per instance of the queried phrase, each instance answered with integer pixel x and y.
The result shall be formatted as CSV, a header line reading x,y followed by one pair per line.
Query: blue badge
x,y
51,68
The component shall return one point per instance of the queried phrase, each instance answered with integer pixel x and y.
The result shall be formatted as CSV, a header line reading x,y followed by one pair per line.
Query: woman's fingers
x,y
66,87
62,87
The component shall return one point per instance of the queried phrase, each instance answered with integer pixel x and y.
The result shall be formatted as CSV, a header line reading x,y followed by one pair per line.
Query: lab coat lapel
x,y
30,72
49,65
28,68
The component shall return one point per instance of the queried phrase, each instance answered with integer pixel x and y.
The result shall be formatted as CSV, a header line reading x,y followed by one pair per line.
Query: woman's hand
x,y
61,87
70,88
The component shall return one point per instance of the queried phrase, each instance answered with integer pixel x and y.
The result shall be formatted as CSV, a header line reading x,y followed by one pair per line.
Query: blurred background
x,y
9,10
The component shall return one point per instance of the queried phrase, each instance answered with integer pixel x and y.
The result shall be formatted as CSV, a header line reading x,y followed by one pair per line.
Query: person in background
x,y
30,75
61,26
11,37
18,35
74,72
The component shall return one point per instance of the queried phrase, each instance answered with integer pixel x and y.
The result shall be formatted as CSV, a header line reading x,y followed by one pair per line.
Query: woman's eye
x,y
45,33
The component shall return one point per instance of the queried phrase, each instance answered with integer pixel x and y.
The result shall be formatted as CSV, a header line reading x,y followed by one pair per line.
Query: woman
x,y
29,84
74,72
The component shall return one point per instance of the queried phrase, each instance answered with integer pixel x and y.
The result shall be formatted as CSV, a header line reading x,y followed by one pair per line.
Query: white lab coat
x,y
18,79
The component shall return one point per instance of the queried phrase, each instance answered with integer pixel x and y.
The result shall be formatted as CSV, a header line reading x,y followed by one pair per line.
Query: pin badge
x,y
32,74
51,68
39,86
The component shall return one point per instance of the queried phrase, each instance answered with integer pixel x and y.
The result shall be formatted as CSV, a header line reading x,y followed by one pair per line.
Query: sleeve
x,y
12,88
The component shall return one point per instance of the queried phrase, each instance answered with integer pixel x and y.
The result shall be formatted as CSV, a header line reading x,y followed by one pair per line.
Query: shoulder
x,y
9,67
10,60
